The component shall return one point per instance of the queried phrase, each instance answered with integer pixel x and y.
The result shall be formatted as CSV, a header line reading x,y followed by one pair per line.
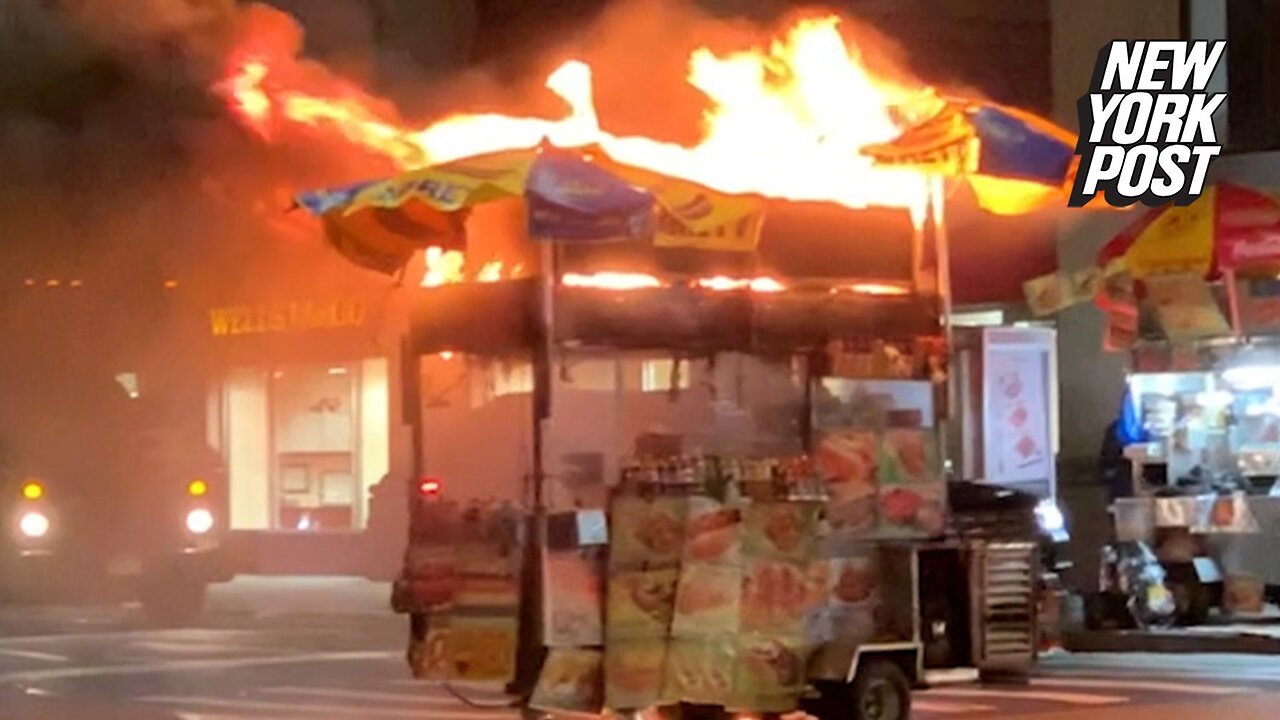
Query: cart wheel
x,y
881,692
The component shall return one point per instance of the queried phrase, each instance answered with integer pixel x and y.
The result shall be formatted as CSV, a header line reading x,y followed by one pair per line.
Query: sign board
x,y
284,317
1019,401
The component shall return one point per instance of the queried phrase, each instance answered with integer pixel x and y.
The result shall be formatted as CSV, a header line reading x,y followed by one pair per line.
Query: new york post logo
x,y
1146,124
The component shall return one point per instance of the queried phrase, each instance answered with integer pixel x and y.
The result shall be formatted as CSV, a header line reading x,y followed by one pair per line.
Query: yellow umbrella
x,y
378,225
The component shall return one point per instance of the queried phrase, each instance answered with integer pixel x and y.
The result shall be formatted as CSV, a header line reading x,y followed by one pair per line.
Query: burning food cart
x,y
680,446
729,468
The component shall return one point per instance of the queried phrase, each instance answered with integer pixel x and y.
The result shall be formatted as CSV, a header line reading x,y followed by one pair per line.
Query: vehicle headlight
x,y
1050,517
199,521
34,524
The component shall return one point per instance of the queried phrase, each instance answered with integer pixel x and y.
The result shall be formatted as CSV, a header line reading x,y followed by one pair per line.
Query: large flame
x,y
788,122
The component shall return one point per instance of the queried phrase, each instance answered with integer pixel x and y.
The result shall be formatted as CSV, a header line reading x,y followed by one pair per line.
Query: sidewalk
x,y
1251,635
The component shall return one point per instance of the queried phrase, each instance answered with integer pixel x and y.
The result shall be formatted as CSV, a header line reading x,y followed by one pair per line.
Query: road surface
x,y
327,649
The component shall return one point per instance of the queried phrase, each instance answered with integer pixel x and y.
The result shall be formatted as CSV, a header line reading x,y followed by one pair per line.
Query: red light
x,y
429,487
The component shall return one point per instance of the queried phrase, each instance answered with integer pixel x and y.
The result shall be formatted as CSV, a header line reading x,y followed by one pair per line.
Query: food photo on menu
x,y
635,673
780,530
701,670
1020,433
770,672
847,460
641,603
850,600
712,532
909,456
573,606
775,597
571,680
853,580
648,530
480,649
912,510
707,601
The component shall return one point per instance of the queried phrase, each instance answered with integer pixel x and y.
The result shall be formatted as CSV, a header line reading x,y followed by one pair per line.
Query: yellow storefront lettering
x,y
279,321
239,321
219,323
286,317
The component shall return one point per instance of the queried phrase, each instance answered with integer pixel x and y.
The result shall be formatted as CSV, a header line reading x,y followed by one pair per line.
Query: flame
x,y
442,267
611,280
248,100
876,288
787,121
721,283
490,272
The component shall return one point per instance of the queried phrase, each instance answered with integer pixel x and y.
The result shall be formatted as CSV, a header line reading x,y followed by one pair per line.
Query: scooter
x,y
1134,590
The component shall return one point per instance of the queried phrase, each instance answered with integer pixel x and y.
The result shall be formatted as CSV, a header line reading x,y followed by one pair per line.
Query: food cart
x,y
1205,495
1190,296
732,495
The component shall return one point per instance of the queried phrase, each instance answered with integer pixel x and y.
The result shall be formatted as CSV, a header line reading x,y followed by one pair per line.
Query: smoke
x,y
121,165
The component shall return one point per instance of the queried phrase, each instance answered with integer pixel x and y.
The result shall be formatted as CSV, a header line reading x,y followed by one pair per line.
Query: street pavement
x,y
328,648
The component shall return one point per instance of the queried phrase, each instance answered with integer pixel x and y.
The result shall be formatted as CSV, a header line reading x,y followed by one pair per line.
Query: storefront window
x,y
510,378
314,423
304,443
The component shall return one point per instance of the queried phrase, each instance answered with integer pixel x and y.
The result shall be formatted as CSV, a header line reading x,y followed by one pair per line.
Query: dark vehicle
x,y
105,495
982,511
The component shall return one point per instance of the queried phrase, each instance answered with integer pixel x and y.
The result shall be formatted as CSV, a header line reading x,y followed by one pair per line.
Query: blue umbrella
x,y
1014,160
570,198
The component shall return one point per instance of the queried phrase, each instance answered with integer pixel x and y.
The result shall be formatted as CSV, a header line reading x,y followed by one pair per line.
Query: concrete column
x,y
1091,382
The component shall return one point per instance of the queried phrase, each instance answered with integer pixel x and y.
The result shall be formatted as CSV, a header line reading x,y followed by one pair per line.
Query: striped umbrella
x,y
1014,161
1228,228
574,195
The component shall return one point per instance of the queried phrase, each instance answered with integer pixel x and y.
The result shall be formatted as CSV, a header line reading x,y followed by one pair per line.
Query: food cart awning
x,y
1015,162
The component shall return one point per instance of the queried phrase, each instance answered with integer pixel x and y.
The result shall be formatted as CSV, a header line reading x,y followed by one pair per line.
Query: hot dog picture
x,y
640,603
571,680
700,671
779,529
649,531
707,601
634,673
849,456
914,510
899,506
775,597
855,580
909,457
712,532
771,667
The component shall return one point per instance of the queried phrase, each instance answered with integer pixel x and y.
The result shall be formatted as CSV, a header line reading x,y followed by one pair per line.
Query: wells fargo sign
x,y
286,317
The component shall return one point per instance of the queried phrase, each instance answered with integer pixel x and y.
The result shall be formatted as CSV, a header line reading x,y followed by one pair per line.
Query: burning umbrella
x,y
1014,161
578,194
380,224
